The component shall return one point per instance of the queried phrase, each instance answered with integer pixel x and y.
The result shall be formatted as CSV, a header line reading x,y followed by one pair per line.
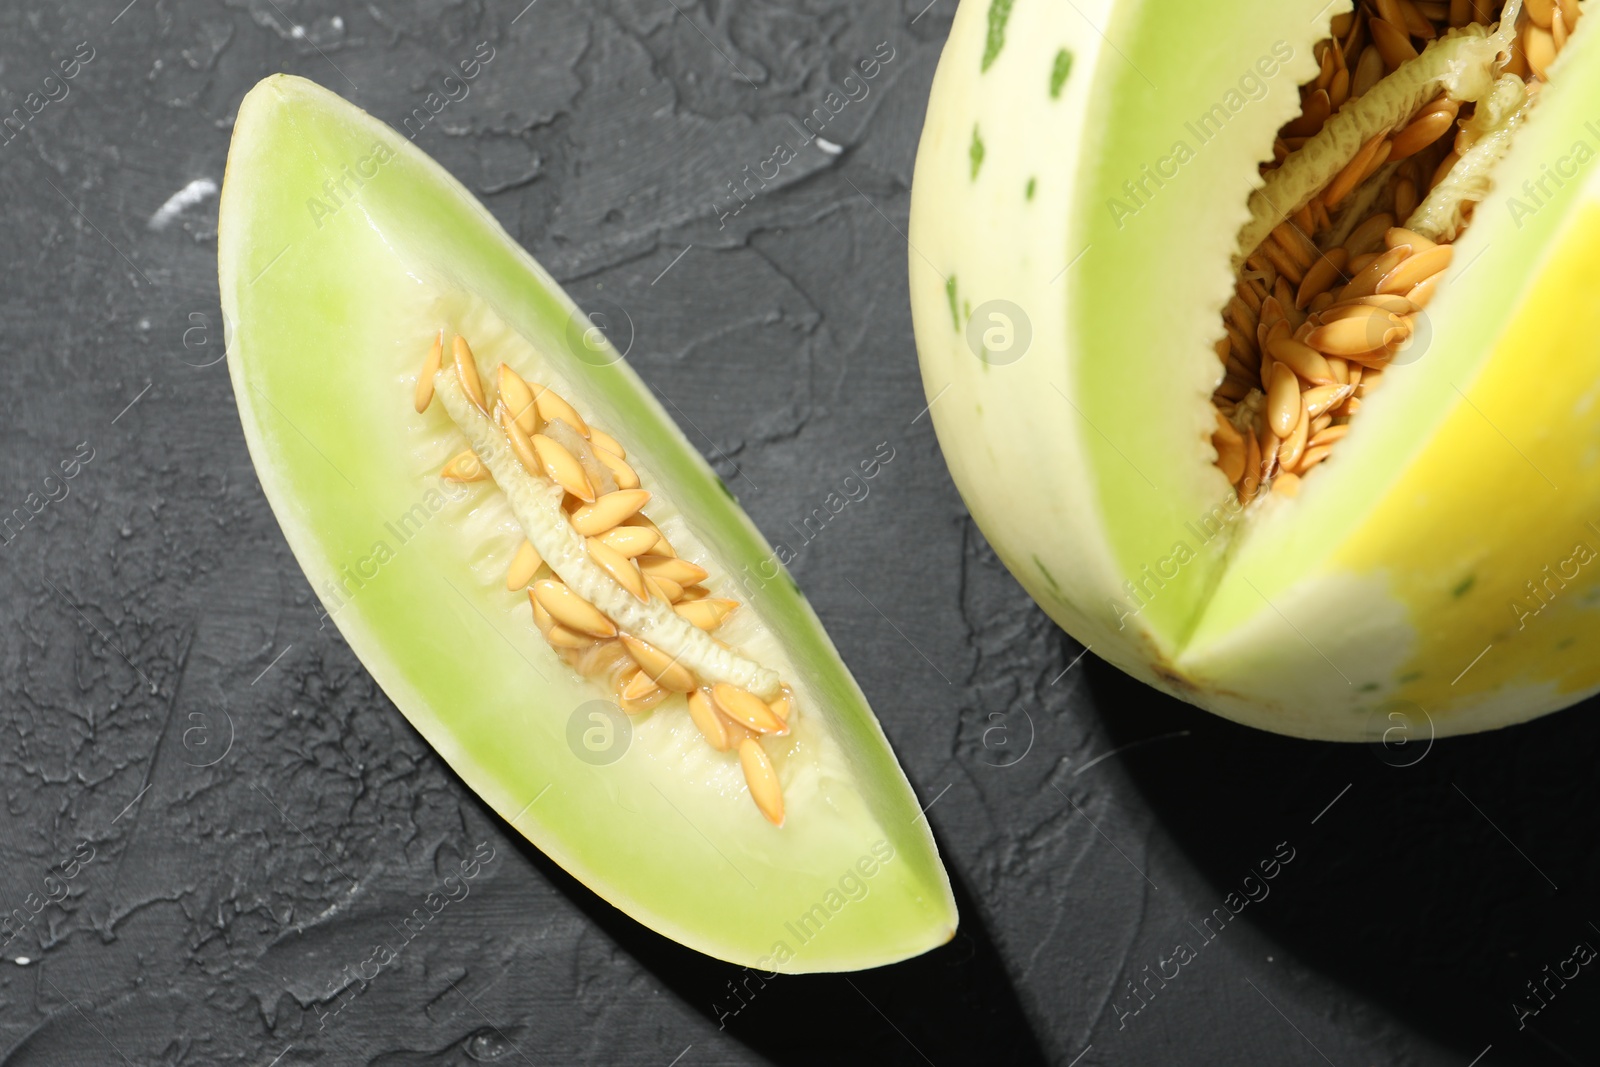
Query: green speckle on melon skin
x,y
1058,73
1033,184
999,13
1037,562
975,153
1466,584
955,311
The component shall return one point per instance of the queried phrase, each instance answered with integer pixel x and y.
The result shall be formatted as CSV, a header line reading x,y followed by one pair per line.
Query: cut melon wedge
x,y
1085,179
343,252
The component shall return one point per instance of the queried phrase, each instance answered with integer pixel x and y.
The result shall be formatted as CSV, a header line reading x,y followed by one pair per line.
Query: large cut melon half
x,y
1083,183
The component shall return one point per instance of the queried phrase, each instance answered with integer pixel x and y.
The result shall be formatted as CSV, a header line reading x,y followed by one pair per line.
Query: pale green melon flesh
x,y
1109,211
342,250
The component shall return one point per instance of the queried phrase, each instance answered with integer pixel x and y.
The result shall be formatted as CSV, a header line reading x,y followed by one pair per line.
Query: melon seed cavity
x,y
607,590
1351,234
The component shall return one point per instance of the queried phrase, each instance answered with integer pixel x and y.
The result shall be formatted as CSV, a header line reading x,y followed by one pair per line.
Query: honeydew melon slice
x,y
342,250
1082,182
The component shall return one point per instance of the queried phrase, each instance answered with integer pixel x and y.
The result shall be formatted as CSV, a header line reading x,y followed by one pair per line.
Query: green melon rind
x,y
329,310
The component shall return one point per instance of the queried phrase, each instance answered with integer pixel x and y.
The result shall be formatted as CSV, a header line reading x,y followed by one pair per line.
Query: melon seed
x,y
707,613
680,571
467,369
523,567
620,567
668,672
605,441
630,540
712,726
762,780
517,397
608,511
571,610
563,468
464,467
424,391
746,709
553,406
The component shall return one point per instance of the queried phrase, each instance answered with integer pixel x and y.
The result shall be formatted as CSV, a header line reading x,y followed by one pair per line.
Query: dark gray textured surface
x,y
257,815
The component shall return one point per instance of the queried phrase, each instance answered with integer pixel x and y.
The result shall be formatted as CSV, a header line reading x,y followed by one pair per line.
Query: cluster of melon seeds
x,y
608,591
1351,233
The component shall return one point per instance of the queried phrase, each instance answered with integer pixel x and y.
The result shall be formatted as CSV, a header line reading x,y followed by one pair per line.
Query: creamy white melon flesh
x,y
1106,208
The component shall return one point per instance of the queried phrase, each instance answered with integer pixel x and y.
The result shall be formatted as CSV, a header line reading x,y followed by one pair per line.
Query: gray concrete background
x,y
212,814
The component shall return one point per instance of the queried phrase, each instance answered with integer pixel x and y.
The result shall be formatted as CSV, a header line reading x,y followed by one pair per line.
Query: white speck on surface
x,y
828,146
186,197
23,961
